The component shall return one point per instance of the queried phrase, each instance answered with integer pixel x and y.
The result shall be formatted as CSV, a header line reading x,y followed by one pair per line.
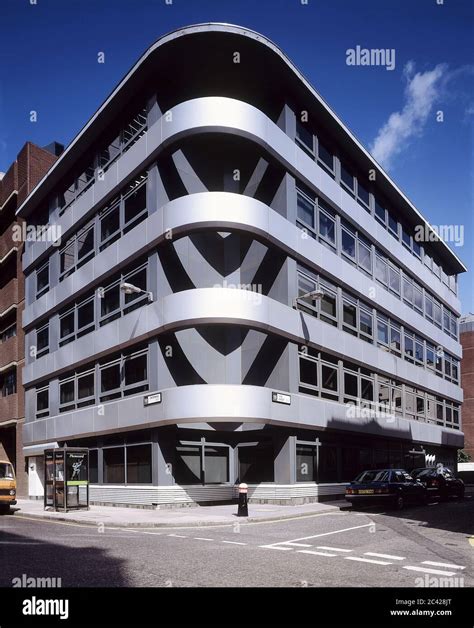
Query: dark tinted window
x,y
373,476
347,178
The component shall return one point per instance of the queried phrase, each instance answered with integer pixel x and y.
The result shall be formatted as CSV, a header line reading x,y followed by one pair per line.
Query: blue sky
x,y
49,64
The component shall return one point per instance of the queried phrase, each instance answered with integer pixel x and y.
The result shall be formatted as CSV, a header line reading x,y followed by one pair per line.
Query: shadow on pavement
x,y
81,566
453,515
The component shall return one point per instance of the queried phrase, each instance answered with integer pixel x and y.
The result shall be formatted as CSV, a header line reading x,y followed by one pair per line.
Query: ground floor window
x,y
306,463
138,464
93,466
334,462
188,467
216,465
114,465
328,468
202,464
256,463
129,464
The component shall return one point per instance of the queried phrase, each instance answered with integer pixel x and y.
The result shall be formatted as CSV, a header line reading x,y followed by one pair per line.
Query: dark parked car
x,y
440,482
393,486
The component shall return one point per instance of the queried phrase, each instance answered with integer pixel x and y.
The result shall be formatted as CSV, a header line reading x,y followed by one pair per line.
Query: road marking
x,y
426,570
179,536
367,560
430,562
299,544
384,556
283,549
316,536
141,531
234,542
200,538
333,549
317,553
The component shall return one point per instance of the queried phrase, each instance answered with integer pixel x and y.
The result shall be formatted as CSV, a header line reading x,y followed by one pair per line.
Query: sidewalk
x,y
117,517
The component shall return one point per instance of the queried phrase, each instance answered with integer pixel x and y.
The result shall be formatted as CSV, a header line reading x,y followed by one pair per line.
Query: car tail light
x,y
434,483
382,490
349,491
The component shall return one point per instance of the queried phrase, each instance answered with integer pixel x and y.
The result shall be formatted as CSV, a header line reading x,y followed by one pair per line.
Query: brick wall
x,y
9,183
23,175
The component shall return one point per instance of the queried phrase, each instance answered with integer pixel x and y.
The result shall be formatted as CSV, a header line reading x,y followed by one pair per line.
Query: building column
x,y
285,459
100,461
287,121
163,456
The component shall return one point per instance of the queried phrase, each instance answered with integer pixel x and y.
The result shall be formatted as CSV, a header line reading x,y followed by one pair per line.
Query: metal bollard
x,y
243,510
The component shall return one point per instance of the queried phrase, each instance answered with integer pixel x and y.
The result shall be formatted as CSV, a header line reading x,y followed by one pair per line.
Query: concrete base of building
x,y
189,496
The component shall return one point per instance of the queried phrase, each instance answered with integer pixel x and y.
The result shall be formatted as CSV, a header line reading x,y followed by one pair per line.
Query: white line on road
x,y
317,553
333,549
430,562
178,536
282,549
299,544
315,536
141,531
426,570
234,542
200,538
384,556
367,560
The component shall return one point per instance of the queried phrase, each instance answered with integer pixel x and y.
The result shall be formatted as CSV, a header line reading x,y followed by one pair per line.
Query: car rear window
x,y
418,473
373,476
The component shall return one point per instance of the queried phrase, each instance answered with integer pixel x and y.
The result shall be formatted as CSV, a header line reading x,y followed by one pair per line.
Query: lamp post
x,y
129,288
315,295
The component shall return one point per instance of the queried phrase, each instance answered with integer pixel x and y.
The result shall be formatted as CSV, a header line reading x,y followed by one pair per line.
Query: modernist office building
x,y
172,327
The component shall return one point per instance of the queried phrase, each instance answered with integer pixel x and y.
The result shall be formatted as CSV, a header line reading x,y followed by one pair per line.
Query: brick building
x,y
466,329
23,175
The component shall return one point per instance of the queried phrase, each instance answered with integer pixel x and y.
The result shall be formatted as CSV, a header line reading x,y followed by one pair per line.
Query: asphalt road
x,y
416,547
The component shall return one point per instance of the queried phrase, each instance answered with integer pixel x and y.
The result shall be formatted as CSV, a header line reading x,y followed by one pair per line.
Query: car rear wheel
x,y
4,509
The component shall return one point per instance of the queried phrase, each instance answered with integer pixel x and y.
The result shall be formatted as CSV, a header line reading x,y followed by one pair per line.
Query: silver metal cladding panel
x,y
255,217
232,116
232,306
242,404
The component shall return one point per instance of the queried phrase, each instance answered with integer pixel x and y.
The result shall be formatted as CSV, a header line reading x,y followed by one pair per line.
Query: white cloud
x,y
470,110
421,92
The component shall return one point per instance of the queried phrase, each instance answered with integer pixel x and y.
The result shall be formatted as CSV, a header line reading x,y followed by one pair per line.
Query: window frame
x,y
309,150
344,170
327,212
45,349
39,414
42,268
